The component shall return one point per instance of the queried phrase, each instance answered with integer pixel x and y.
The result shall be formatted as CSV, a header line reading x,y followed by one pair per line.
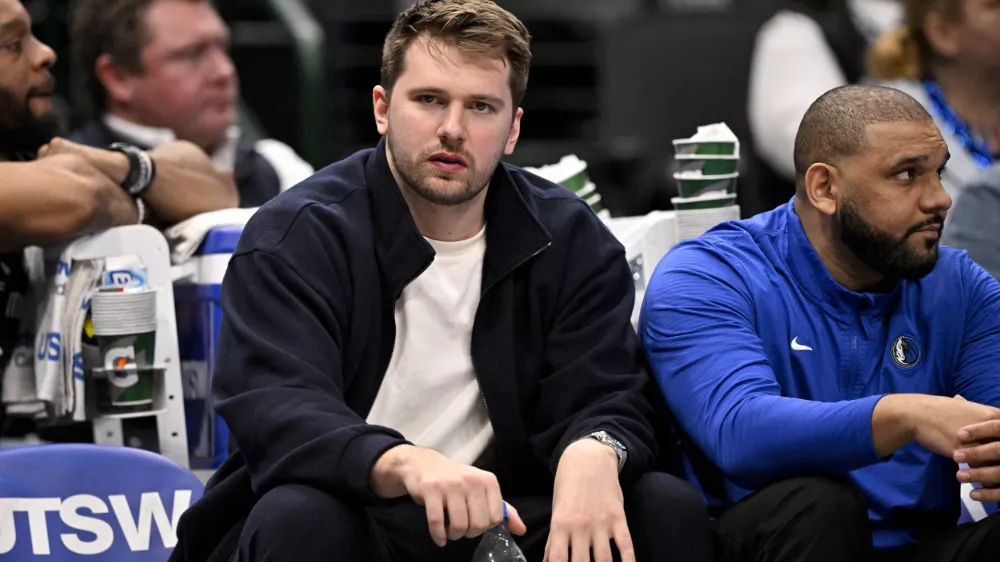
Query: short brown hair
x,y
474,26
904,52
107,27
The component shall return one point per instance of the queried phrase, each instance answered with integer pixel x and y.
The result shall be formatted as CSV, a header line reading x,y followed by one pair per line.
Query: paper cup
x,y
126,360
710,202
123,313
707,165
124,326
695,186
693,223
576,182
587,190
721,148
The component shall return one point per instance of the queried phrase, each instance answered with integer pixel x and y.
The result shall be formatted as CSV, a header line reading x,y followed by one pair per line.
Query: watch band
x,y
616,445
141,168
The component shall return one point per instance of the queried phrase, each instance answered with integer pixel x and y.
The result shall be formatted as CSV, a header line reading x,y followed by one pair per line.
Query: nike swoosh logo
x,y
796,346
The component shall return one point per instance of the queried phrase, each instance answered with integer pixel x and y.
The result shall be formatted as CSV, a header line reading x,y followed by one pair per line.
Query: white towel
x,y
185,237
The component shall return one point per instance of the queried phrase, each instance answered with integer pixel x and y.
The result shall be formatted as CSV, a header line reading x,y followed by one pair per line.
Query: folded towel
x,y
185,237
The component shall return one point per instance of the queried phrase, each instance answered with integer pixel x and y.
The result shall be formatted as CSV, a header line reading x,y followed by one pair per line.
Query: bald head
x,y
834,125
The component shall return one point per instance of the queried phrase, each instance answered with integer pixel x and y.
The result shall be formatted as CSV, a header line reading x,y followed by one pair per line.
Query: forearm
x,y
762,438
62,198
891,429
186,183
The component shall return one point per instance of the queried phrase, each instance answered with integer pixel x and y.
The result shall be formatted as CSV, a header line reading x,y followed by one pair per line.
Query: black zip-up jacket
x,y
308,330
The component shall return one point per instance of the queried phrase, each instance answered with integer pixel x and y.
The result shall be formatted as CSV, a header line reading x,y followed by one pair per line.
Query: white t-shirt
x,y
430,393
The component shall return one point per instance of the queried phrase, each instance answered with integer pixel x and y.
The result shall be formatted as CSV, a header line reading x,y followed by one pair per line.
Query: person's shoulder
x,y
91,133
734,244
561,212
541,189
286,163
955,280
331,203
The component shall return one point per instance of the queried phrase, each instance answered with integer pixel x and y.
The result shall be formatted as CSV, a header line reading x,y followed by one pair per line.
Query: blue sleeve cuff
x,y
865,409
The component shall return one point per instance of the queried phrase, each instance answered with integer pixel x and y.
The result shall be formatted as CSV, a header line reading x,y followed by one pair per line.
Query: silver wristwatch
x,y
615,444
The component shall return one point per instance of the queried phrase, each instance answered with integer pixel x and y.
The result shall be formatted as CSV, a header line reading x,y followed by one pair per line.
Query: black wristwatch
x,y
141,168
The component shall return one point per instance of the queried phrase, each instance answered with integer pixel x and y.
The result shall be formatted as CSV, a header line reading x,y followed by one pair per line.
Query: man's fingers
x,y
987,476
602,545
979,455
435,518
514,523
479,513
623,541
984,431
579,545
494,502
557,547
458,515
985,495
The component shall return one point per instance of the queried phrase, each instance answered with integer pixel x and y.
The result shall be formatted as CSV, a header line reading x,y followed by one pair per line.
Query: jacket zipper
x,y
475,369
855,367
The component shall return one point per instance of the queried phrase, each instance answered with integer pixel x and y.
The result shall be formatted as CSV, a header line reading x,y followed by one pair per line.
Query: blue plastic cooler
x,y
199,314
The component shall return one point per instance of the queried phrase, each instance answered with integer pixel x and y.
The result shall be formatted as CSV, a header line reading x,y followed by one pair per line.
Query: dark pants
x,y
666,517
820,520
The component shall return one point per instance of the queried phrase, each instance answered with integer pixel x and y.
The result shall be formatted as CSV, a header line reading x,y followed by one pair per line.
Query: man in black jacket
x,y
419,334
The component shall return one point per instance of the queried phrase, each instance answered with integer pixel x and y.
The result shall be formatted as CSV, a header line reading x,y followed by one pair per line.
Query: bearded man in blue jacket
x,y
419,334
827,363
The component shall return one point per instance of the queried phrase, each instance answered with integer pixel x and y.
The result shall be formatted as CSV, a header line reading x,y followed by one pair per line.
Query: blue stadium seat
x,y
63,503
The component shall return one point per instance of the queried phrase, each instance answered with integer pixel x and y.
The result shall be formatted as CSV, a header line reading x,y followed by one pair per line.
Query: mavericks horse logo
x,y
904,352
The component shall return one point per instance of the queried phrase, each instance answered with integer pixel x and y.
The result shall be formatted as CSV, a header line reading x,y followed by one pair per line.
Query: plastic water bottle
x,y
497,545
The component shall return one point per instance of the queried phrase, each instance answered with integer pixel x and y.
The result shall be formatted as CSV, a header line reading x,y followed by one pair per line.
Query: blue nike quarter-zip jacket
x,y
772,369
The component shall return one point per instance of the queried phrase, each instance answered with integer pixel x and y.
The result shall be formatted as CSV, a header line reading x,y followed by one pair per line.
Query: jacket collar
x,y
514,233
810,273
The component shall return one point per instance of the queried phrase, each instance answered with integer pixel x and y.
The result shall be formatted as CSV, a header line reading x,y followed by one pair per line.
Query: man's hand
x,y
470,497
588,508
980,449
112,163
931,421
186,184
939,420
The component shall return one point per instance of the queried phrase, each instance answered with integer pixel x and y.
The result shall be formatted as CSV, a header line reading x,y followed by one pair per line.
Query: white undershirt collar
x,y
224,158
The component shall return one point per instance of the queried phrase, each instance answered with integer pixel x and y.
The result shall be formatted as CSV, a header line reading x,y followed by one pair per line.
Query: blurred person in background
x,y
975,218
947,56
72,190
799,55
159,70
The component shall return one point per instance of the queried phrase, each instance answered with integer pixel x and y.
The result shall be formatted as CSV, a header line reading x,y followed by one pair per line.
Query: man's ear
x,y
515,132
380,106
119,84
821,187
